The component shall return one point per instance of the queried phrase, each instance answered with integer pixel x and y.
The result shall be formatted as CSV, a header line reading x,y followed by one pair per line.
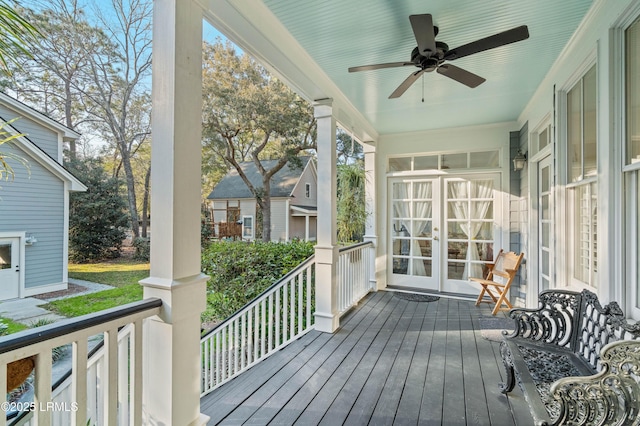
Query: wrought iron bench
x,y
576,362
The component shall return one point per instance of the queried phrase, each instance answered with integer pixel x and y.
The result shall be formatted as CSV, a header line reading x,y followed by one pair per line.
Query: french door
x,y
443,230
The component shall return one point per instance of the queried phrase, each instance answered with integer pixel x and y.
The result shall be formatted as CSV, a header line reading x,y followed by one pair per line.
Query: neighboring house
x,y
34,206
293,201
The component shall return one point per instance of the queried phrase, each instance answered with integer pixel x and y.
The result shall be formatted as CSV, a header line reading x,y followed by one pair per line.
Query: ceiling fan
x,y
430,54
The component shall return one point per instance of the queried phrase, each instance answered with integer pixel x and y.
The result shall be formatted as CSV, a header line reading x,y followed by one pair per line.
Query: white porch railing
x,y
281,314
354,275
104,387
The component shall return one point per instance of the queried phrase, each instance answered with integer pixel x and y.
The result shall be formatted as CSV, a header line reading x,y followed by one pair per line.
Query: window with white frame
x,y
247,226
632,155
582,177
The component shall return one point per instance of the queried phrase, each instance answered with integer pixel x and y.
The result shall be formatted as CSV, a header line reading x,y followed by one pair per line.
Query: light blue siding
x,y
44,138
34,203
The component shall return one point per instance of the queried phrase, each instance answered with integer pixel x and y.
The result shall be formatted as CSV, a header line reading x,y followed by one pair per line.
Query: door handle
x,y
17,268
436,239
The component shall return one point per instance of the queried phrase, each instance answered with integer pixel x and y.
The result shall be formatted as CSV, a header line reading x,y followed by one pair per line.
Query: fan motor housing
x,y
432,62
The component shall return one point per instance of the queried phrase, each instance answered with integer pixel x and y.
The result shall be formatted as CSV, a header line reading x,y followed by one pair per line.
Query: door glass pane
x,y
422,190
455,270
422,267
400,164
544,265
543,138
400,266
482,209
457,250
545,185
454,161
422,229
401,209
544,200
574,131
485,159
546,227
401,246
485,251
482,230
590,123
422,248
455,231
5,256
400,191
425,163
633,92
422,209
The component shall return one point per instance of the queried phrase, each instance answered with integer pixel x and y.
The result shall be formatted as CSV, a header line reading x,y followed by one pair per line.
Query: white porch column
x,y
326,316
370,207
171,345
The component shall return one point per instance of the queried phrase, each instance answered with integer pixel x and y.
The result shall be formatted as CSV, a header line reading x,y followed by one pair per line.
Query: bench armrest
x,y
552,322
609,397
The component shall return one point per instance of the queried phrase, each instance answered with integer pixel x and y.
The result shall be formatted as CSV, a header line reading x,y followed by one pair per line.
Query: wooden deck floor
x,y
392,362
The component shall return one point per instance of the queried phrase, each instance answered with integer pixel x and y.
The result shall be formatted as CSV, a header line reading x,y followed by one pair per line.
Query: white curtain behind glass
x,y
465,211
422,191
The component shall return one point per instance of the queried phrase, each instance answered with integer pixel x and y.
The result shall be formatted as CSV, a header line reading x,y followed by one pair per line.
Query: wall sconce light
x,y
30,239
519,161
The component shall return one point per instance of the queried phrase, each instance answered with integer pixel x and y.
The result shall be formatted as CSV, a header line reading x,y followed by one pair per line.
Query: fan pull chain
x,y
422,87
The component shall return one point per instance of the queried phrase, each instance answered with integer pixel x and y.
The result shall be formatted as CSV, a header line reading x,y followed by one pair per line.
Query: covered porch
x,y
573,209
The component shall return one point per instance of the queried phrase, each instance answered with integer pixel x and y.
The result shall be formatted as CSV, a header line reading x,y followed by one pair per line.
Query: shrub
x,y
143,249
240,271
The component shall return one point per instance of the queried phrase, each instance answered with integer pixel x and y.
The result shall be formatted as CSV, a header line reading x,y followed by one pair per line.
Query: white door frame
x,y
21,259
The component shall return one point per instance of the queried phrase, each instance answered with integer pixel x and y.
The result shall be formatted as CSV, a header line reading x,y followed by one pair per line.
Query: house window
x,y
247,227
632,156
582,177
463,160
307,190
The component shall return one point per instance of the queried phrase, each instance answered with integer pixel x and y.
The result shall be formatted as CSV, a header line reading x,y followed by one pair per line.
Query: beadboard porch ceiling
x,y
311,44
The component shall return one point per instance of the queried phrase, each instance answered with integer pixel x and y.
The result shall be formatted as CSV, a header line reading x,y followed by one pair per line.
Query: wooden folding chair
x,y
505,266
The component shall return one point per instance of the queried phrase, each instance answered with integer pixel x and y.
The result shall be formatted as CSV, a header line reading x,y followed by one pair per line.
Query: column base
x,y
326,323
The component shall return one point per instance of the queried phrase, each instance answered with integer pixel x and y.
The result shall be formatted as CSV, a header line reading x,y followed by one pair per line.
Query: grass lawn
x,y
13,327
122,273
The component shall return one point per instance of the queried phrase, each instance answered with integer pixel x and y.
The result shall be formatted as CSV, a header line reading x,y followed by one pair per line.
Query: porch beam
x,y
326,315
171,341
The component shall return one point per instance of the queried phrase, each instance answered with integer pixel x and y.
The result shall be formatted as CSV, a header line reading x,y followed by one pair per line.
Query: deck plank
x,y
392,362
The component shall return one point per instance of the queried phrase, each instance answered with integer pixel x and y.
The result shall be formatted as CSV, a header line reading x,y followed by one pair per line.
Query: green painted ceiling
x,y
340,34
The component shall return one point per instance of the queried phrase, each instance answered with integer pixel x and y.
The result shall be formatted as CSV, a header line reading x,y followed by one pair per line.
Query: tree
x,y
249,115
97,217
52,77
17,35
351,215
97,74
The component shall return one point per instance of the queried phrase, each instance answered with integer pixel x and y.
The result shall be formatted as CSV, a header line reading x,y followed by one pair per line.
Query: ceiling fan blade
x,y
406,84
507,37
461,76
425,35
380,66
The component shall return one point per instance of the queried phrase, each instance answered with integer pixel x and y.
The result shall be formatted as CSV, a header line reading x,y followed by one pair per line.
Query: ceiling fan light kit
x,y
431,55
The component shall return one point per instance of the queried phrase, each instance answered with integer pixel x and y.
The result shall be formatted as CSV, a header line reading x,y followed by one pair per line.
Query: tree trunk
x,y
69,118
145,203
131,192
266,210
